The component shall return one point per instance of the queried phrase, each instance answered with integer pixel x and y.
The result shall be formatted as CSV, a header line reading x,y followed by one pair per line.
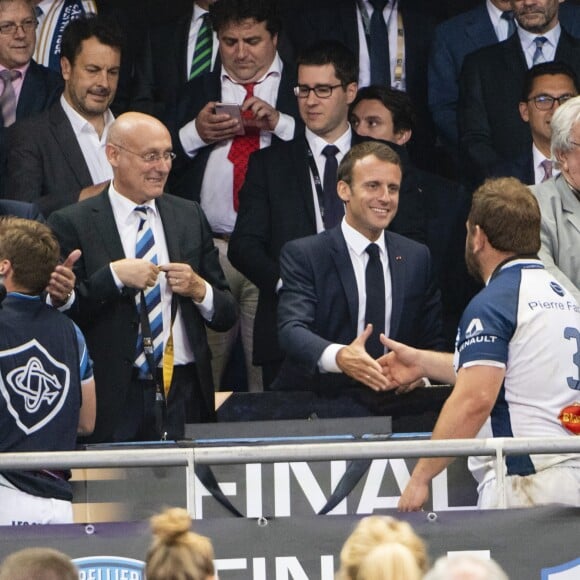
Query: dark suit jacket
x,y
337,20
521,168
187,174
319,303
109,319
45,162
456,38
40,89
490,86
20,209
276,206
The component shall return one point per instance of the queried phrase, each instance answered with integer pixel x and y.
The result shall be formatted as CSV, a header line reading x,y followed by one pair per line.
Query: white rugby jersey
x,y
526,322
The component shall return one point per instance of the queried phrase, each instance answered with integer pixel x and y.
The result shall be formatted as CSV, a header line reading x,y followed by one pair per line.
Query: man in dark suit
x,y
490,126
454,39
193,291
58,157
165,63
344,287
547,86
280,200
213,160
35,87
388,114
409,24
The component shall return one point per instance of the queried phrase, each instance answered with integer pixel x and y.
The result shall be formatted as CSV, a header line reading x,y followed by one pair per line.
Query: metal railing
x,y
272,453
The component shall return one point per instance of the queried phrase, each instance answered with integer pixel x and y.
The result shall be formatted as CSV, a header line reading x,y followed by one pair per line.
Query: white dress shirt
x,y
317,144
92,146
127,222
529,46
357,245
390,14
500,25
218,181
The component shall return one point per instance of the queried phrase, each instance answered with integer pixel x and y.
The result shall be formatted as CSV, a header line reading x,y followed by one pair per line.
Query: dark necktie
x,y
379,46
375,303
539,52
8,96
242,147
201,62
333,208
145,249
508,16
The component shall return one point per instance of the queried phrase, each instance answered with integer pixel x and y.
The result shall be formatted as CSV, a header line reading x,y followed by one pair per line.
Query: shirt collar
x,y
124,208
317,144
359,243
198,11
527,38
21,69
79,123
274,70
22,296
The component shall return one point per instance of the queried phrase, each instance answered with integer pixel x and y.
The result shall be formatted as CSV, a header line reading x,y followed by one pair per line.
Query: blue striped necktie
x,y
145,249
201,62
539,56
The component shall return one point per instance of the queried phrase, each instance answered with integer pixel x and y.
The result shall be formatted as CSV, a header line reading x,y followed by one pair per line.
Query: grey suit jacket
x,y
560,232
45,164
108,318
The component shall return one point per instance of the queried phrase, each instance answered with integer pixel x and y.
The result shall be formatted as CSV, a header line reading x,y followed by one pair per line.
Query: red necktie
x,y
242,147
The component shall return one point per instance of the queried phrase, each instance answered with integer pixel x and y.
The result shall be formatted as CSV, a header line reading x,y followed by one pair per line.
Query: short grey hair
x,y
562,124
455,567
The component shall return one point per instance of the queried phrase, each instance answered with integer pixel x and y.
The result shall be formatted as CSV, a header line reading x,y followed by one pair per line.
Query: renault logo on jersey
x,y
475,327
34,385
557,288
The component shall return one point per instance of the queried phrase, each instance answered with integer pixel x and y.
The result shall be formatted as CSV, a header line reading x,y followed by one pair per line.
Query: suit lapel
x,y
181,38
71,152
285,100
299,162
398,269
343,263
104,222
347,14
169,216
569,203
479,29
514,57
31,88
565,51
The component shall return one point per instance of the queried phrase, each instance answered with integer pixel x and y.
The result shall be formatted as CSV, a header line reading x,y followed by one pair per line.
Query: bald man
x,y
149,274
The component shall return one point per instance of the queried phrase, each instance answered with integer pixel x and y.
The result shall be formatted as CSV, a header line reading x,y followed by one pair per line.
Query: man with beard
x,y
515,367
57,158
490,127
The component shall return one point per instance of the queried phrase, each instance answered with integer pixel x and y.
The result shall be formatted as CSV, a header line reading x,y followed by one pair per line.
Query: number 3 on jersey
x,y
574,334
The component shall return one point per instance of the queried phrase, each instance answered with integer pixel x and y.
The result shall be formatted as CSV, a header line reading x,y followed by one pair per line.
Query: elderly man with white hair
x,y
559,200
466,567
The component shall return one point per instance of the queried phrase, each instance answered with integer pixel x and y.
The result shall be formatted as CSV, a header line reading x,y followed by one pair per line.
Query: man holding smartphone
x,y
213,156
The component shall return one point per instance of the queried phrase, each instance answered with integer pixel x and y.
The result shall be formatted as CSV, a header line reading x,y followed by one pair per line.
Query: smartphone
x,y
234,111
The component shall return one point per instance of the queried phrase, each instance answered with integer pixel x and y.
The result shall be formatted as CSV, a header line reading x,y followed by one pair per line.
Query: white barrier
x,y
229,455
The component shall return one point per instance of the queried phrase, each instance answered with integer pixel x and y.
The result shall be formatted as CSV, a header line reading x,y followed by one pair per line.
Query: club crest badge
x,y
33,384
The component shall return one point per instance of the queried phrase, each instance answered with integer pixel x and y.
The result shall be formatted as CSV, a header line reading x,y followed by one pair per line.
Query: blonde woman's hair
x,y
389,561
375,531
176,552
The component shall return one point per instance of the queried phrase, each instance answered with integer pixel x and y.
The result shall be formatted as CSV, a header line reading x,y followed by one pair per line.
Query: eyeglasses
x,y
9,28
546,102
321,91
152,156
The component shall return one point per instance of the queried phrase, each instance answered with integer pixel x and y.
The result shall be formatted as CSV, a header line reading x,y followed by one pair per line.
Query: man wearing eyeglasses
x,y
491,80
139,244
284,196
559,200
26,88
33,87
57,158
547,86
